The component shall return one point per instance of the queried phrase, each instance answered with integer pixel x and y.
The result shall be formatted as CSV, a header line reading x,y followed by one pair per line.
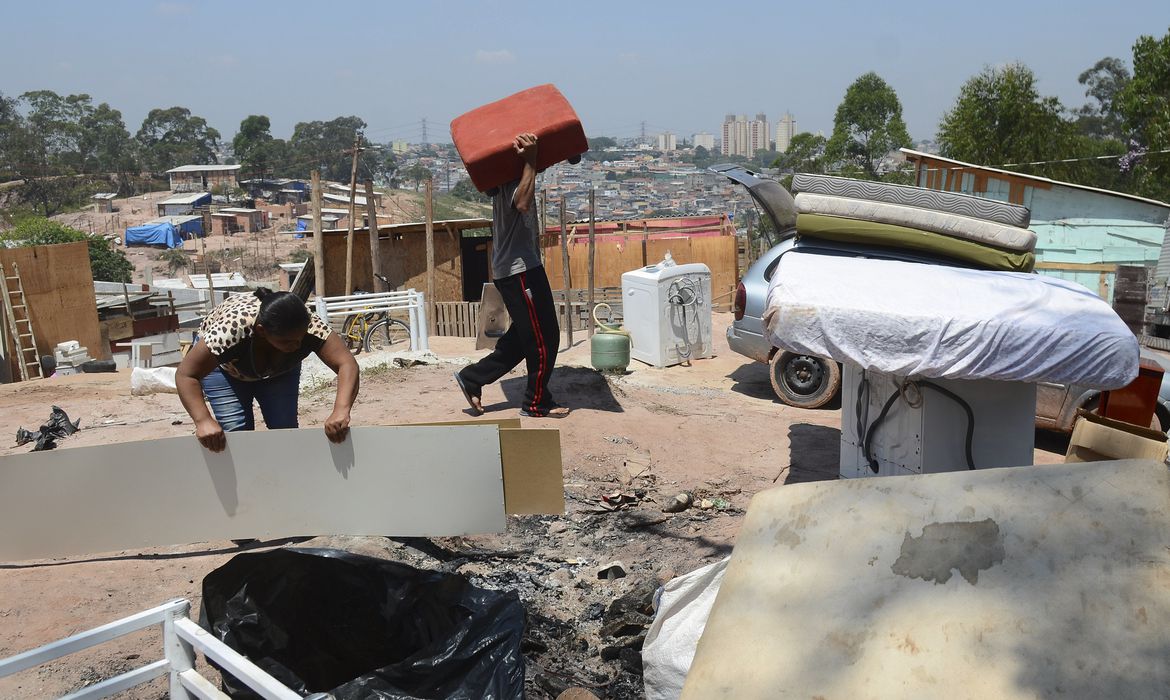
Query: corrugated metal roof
x,y
221,280
105,195
186,198
1024,176
238,210
203,168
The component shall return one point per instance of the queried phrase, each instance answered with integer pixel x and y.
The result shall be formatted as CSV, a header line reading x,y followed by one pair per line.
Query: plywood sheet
x,y
58,285
534,483
1026,582
402,481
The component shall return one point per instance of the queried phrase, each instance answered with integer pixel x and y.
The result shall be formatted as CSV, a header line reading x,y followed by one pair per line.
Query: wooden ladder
x,y
20,325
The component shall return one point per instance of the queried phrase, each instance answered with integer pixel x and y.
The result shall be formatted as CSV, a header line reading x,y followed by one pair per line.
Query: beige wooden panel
x,y
418,481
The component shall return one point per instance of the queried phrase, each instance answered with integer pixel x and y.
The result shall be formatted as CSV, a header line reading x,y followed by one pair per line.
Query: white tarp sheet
x,y
915,320
670,643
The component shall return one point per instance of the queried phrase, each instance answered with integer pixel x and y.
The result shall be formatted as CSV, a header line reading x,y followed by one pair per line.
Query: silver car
x,y
807,381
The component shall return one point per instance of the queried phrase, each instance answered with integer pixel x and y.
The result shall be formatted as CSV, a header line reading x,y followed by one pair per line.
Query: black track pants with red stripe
x,y
533,337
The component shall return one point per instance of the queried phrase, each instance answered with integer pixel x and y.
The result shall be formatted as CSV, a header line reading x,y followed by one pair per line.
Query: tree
x,y
868,124
324,146
252,144
173,137
417,173
1000,118
805,154
600,143
107,263
13,139
465,190
1144,104
1104,83
105,144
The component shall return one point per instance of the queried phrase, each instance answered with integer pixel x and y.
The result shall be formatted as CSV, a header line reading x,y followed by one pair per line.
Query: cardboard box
x,y
1096,439
119,327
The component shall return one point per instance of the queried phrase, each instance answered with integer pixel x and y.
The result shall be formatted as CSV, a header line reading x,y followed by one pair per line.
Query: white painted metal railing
x,y
412,301
181,639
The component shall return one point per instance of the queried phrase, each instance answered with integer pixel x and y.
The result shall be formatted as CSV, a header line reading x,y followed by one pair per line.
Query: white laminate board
x,y
1026,582
399,481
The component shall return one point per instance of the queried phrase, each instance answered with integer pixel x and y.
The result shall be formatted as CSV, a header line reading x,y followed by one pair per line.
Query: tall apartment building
x,y
785,130
743,137
667,142
704,139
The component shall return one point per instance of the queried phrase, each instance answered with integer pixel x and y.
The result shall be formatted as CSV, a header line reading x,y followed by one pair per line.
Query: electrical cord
x,y
902,393
677,296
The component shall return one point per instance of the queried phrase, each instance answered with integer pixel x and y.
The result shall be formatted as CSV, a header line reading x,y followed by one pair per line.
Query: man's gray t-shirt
x,y
514,235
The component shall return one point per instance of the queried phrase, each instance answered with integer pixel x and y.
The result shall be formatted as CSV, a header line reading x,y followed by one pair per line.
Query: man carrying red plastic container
x,y
520,278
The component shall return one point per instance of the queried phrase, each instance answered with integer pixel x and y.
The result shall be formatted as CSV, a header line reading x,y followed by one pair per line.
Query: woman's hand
x,y
210,435
337,425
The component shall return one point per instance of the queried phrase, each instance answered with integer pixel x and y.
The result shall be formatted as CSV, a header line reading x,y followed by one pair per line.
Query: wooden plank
x,y
318,238
1077,267
430,233
568,278
375,244
444,481
592,281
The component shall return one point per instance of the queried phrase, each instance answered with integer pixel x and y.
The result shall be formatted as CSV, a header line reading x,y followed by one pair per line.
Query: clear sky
x,y
678,66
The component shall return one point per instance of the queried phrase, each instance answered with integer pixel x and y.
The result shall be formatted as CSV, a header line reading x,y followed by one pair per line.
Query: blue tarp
x,y
191,229
302,225
154,234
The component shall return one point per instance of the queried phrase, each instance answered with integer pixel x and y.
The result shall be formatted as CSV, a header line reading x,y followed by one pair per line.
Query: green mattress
x,y
836,228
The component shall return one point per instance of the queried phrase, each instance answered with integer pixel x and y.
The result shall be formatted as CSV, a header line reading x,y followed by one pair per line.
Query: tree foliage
x,y
1104,83
254,146
868,124
324,146
805,154
173,137
1144,104
107,263
1000,118
465,190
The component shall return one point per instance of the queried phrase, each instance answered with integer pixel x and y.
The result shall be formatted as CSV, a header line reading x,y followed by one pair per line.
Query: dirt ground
x,y
713,428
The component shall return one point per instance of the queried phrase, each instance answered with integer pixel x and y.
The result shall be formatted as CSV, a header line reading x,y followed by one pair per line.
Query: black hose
x,y
873,465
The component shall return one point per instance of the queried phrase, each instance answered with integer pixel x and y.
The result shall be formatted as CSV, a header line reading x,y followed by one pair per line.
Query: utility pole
x,y
318,239
568,280
375,253
430,228
352,198
592,250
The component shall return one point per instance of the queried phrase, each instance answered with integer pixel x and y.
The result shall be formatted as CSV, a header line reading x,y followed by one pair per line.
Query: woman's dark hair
x,y
281,312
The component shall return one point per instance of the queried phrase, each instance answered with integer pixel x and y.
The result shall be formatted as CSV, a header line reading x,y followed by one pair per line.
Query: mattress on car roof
x,y
955,225
842,230
951,202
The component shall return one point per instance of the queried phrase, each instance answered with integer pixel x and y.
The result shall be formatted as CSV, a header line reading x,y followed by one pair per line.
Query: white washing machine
x,y
667,309
925,430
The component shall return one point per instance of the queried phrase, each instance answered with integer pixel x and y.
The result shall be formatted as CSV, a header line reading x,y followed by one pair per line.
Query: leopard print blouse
x,y
227,333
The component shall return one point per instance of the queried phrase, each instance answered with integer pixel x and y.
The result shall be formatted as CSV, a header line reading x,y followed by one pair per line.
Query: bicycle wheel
x,y
388,334
351,334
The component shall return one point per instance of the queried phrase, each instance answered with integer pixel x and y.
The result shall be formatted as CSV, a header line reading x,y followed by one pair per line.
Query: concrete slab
x,y
1026,582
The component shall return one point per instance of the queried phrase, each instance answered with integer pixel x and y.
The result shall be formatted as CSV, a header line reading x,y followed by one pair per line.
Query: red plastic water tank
x,y
484,135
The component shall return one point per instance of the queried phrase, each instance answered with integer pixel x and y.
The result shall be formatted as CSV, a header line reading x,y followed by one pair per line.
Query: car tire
x,y
804,381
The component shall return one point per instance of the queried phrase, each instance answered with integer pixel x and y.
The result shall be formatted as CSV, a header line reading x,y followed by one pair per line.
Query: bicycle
x,y
373,331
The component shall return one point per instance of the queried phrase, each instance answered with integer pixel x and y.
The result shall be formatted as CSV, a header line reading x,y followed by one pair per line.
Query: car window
x,y
771,269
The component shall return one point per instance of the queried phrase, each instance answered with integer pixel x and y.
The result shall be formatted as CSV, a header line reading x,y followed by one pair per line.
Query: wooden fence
x,y
581,314
459,319
719,253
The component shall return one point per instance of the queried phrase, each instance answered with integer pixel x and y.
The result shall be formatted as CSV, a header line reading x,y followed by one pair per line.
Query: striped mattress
x,y
954,225
950,202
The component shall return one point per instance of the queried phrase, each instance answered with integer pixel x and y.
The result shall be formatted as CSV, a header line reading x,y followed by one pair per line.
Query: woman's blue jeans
x,y
231,400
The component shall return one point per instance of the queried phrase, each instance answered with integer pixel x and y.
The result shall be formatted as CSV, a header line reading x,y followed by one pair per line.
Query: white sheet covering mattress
x,y
914,320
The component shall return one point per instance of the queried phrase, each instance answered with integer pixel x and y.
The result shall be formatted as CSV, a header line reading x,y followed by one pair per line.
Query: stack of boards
x,y
983,233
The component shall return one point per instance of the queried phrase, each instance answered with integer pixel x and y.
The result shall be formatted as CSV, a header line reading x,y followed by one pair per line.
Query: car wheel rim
x,y
803,374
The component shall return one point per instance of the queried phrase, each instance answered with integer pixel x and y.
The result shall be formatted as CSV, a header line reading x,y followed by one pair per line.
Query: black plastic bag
x,y
325,620
58,426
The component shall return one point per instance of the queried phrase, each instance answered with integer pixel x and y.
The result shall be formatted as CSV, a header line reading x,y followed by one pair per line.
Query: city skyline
x,y
676,77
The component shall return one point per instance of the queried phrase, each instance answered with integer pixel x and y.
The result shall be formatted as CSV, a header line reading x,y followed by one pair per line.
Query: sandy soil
x,y
714,428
